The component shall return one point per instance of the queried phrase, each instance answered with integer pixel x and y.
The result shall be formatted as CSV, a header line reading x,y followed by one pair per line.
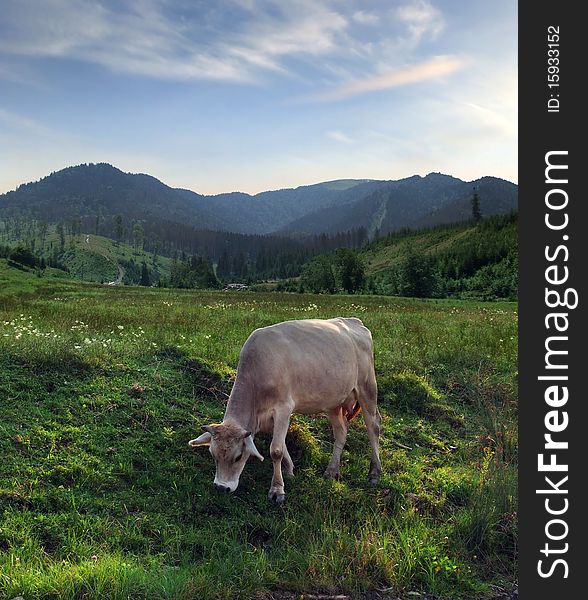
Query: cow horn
x,y
249,444
203,440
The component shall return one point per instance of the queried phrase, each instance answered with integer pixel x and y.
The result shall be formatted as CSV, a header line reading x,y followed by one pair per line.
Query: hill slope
x,y
97,258
471,260
413,202
95,193
98,195
94,258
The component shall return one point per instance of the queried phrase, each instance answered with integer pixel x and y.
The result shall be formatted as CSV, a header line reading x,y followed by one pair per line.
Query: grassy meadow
x,y
100,496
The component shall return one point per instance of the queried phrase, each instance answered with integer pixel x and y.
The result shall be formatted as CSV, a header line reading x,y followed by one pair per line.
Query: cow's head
x,y
230,445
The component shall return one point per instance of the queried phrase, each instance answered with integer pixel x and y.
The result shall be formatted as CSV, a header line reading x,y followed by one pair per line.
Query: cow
x,y
306,366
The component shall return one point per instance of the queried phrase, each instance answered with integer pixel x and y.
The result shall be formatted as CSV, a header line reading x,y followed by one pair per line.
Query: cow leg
x,y
368,400
339,424
287,463
277,452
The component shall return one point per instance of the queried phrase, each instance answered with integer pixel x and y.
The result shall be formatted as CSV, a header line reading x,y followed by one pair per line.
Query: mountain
x,y
414,202
268,212
95,195
88,192
100,192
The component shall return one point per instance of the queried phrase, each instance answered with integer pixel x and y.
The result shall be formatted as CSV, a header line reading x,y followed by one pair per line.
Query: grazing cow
x,y
308,366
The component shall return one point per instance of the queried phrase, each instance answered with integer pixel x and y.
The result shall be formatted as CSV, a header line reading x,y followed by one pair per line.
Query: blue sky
x,y
253,95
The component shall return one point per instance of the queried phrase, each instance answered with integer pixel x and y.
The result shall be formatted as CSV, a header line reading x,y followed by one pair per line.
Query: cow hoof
x,y
334,475
373,478
276,497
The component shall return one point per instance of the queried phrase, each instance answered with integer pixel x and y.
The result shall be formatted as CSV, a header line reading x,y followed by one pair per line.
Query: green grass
x,y
101,497
95,258
107,253
383,254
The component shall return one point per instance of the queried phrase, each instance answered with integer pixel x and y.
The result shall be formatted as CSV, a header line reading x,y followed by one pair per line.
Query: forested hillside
x,y
100,224
240,258
414,202
473,260
105,201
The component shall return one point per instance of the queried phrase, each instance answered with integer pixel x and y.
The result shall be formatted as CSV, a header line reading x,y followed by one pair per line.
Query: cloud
x,y
13,122
365,18
138,39
339,136
421,18
491,120
435,68
18,75
289,29
238,41
180,41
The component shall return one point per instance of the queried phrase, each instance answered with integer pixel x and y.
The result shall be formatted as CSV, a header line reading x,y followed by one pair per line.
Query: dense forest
x,y
474,260
238,257
432,236
478,259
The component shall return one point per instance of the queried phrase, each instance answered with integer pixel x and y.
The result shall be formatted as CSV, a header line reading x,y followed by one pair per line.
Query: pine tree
x,y
223,268
476,212
119,227
416,275
145,279
61,235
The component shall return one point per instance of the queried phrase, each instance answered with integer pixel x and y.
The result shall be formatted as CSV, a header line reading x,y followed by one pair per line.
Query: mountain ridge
x,y
94,193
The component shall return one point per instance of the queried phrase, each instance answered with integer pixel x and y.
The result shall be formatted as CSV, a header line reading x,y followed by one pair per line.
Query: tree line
x,y
239,258
482,264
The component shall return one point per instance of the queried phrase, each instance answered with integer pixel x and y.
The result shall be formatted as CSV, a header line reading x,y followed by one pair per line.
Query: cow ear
x,y
203,440
251,447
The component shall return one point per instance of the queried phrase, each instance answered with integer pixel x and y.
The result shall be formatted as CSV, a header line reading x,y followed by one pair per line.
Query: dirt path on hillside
x,y
119,279
120,268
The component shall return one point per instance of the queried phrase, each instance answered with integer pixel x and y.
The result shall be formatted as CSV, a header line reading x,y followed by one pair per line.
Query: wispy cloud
x,y
13,122
339,136
139,39
365,18
240,41
287,29
436,68
421,18
154,38
499,122
18,75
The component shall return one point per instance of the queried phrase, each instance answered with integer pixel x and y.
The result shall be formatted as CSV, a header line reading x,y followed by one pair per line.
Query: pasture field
x,y
101,498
